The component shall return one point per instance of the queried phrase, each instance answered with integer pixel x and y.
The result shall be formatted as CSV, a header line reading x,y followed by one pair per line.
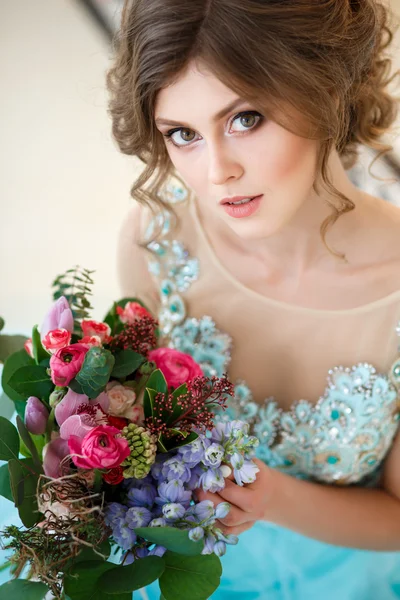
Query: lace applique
x,y
342,439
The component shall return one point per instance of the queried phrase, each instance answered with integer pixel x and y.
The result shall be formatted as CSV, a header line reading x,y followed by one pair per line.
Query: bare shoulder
x,y
132,258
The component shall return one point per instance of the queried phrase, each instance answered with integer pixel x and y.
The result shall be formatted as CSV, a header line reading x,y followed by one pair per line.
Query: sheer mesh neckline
x,y
386,300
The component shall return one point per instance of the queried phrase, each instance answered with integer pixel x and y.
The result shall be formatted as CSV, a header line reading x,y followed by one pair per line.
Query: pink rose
x,y
122,402
29,347
96,328
177,367
99,449
67,362
132,311
92,340
56,339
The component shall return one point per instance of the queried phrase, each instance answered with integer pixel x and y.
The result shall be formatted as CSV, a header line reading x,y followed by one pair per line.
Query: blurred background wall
x,y
64,186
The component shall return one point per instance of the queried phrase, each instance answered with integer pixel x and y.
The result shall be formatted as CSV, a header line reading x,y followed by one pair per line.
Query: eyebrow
x,y
217,117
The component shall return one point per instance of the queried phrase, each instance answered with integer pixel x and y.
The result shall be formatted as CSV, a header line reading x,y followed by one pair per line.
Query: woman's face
x,y
236,153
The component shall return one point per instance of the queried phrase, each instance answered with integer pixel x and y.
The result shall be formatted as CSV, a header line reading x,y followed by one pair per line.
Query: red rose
x,y
118,422
114,477
132,311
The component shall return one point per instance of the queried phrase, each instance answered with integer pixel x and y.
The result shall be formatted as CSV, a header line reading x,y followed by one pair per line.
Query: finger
x,y
235,494
238,529
235,517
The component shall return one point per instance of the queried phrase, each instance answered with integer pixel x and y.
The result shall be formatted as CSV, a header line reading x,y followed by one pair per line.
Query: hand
x,y
249,503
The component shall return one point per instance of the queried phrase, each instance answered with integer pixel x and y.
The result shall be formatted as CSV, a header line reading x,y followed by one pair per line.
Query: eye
x,y
248,119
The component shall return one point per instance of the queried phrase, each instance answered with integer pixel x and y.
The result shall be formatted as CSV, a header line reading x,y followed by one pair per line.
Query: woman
x,y
275,268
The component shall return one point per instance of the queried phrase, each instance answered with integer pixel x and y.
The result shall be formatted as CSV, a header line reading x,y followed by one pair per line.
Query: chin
x,y
253,229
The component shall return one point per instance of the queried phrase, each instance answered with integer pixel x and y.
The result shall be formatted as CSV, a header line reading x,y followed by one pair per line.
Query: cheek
x,y
287,160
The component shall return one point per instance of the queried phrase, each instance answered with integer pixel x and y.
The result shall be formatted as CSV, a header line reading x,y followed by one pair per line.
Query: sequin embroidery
x,y
342,439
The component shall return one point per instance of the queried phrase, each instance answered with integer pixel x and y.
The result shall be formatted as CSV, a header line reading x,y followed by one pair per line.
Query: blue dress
x,y
343,439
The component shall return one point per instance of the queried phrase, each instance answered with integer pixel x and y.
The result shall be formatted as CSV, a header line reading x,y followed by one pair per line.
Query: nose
x,y
222,164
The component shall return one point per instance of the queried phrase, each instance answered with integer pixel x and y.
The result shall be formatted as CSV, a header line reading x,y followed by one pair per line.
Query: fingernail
x,y
226,471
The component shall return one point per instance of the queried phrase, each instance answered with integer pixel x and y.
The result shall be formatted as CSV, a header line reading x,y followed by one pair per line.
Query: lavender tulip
x,y
36,416
59,317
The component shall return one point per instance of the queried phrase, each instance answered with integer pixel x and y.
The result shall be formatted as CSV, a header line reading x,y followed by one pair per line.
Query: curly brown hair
x,y
325,59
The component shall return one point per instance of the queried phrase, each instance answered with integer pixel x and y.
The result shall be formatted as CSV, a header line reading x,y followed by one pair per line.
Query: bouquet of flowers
x,y
114,435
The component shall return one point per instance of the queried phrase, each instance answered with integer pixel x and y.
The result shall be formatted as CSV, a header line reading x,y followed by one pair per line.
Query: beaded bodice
x,y
343,438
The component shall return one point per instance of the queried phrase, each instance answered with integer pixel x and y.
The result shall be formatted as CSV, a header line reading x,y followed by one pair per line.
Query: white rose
x,y
121,398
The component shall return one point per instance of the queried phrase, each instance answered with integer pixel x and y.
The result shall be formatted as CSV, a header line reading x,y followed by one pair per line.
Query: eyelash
x,y
170,133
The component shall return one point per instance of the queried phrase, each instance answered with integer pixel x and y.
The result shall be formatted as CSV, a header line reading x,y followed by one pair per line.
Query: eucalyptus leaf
x,y
75,386
171,538
22,589
126,363
194,577
5,487
32,380
95,371
39,353
9,440
157,382
13,363
133,577
10,344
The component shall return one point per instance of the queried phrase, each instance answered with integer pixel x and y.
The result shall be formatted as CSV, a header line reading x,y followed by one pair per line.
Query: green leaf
x,y
13,363
2,323
75,386
29,443
10,344
194,577
9,440
126,363
177,410
22,589
7,406
81,582
157,382
23,479
173,443
39,353
95,371
137,575
173,539
5,487
148,402
32,381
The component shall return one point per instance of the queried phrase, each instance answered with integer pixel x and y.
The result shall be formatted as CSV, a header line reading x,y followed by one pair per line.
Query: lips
x,y
234,199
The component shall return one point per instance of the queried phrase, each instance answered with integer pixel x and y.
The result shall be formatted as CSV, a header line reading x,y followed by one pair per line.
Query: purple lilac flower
x,y
138,516
192,453
159,522
196,534
124,535
213,455
114,512
196,473
142,496
209,543
203,510
222,509
219,548
157,466
157,551
212,480
244,471
173,511
175,468
173,491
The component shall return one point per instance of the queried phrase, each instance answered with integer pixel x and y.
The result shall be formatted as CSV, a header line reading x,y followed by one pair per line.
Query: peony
x,y
96,328
99,449
122,402
59,317
56,339
132,312
67,362
177,367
